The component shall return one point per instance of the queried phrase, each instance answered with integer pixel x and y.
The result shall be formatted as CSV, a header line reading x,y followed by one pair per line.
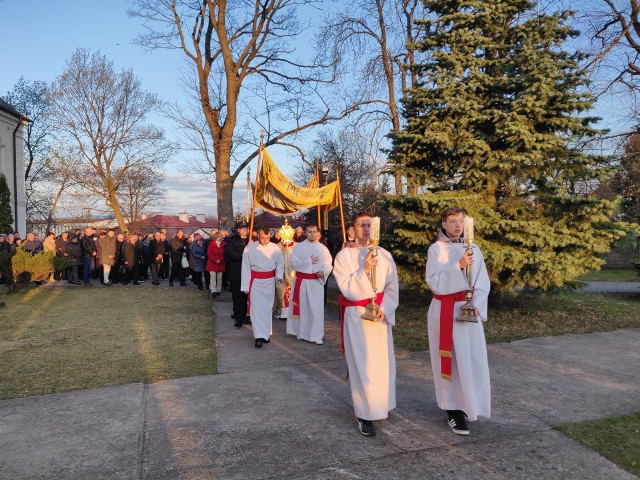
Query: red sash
x,y
254,275
296,290
447,304
343,303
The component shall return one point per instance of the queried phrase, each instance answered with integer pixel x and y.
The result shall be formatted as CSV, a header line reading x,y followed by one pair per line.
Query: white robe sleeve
x,y
325,264
246,270
391,293
443,273
279,260
352,280
482,284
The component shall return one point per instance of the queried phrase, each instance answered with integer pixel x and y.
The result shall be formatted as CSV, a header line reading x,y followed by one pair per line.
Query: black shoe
x,y
171,284
183,284
88,284
247,320
108,284
125,283
458,422
264,340
366,427
259,342
237,324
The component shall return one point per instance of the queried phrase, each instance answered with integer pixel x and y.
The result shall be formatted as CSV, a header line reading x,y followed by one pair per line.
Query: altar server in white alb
x,y
458,349
312,262
262,267
368,345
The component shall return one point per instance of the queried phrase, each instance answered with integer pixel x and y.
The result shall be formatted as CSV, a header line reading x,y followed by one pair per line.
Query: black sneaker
x,y
259,342
366,427
458,422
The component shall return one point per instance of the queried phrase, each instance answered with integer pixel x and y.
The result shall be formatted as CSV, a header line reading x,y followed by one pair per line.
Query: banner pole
x,y
344,233
255,188
318,207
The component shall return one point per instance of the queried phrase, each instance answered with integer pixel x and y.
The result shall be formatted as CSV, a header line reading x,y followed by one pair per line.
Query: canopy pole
x,y
255,188
318,207
344,232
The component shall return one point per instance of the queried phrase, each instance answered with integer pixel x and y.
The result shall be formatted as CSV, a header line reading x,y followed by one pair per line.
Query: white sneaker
x,y
319,342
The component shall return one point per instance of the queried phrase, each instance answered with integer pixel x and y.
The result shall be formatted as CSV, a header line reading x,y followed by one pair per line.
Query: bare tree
x,y
32,100
613,28
139,190
243,55
378,37
102,113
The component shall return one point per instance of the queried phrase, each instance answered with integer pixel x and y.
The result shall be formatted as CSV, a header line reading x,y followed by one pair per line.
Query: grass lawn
x,y
55,339
527,316
617,439
611,275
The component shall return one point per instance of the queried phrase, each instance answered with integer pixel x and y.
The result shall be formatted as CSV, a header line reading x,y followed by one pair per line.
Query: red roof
x,y
172,221
268,219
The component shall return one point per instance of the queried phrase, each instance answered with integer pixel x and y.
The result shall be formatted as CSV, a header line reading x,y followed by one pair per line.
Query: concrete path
x,y
284,412
613,287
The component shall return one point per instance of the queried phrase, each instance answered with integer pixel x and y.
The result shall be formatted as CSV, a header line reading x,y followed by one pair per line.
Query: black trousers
x,y
176,272
131,273
165,267
197,279
207,279
239,299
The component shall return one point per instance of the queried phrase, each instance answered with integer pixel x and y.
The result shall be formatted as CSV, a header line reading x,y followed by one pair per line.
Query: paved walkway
x,y
284,412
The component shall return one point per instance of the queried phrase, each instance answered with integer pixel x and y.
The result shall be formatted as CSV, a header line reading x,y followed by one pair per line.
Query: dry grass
x,y
617,439
526,316
55,339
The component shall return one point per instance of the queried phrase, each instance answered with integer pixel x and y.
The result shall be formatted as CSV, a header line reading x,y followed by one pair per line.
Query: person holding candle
x,y
458,349
368,344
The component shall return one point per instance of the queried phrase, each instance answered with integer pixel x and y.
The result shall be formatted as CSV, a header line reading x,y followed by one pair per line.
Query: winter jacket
x,y
215,257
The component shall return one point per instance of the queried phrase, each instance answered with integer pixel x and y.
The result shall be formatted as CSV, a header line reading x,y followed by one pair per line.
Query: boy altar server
x,y
262,267
312,262
458,349
368,345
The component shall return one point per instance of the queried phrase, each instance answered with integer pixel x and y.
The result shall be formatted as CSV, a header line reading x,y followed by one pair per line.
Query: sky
x,y
40,35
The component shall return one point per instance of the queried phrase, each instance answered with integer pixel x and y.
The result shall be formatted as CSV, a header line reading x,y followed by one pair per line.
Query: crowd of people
x,y
257,273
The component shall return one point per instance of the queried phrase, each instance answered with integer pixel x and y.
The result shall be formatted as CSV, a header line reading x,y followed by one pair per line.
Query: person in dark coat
x,y
233,248
117,269
89,252
31,244
198,256
157,251
61,250
132,257
75,253
178,247
165,269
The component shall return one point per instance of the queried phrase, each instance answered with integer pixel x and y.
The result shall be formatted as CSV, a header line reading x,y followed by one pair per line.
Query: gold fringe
x,y
445,376
444,353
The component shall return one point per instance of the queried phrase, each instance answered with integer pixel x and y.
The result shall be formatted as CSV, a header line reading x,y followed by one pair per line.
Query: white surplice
x,y
310,325
469,389
261,258
369,345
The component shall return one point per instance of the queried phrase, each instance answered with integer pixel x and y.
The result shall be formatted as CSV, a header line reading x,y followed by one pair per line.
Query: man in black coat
x,y
89,251
178,247
132,255
156,252
233,248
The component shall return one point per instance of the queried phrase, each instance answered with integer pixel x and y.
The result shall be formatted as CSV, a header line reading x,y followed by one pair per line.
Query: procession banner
x,y
277,194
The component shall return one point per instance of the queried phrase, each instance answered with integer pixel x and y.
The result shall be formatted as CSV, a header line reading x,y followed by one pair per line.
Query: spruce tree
x,y
494,127
6,219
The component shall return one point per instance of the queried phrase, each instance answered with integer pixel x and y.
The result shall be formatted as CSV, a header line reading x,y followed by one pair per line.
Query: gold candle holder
x,y
468,313
374,240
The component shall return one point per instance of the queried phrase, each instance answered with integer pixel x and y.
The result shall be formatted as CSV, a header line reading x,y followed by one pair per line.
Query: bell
x,y
468,313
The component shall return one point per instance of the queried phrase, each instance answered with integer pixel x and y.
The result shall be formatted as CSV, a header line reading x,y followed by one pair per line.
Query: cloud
x,y
185,194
